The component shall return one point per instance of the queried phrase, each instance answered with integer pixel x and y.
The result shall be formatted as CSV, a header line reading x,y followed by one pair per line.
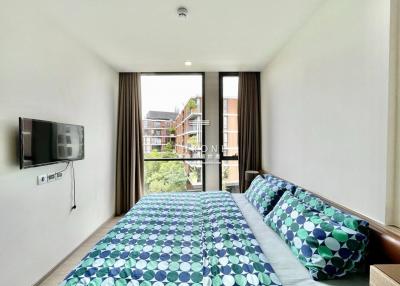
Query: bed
x,y
208,238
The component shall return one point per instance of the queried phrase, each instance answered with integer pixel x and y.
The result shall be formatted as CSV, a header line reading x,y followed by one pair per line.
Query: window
x,y
156,141
225,105
173,103
225,122
229,170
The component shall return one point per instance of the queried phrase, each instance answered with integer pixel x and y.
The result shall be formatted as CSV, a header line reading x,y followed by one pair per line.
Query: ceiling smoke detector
x,y
182,12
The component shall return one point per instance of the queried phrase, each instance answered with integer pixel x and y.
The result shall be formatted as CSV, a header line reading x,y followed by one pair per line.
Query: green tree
x,y
169,147
192,140
164,176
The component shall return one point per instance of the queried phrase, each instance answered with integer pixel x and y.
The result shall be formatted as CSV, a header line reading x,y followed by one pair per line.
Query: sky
x,y
230,86
171,92
168,93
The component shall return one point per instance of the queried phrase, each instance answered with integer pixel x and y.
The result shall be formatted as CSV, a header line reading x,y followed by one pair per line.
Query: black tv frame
x,y
21,145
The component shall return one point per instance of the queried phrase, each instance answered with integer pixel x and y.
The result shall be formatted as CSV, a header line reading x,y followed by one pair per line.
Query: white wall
x,y
393,215
325,105
44,74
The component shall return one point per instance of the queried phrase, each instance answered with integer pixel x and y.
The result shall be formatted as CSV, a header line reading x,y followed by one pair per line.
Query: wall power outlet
x,y
48,178
42,179
59,175
51,177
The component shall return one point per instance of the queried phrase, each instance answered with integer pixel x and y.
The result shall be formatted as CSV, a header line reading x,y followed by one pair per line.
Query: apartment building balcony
x,y
195,186
191,115
194,164
159,136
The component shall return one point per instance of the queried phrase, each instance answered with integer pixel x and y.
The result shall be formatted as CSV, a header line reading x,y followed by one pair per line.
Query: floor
x,y
71,261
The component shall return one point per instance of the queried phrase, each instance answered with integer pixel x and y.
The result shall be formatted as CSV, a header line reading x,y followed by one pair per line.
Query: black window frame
x,y
202,159
222,157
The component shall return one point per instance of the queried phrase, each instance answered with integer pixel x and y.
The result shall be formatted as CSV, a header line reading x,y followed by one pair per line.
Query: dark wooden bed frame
x,y
384,241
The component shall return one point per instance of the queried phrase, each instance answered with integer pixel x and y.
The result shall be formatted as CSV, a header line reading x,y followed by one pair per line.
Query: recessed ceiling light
x,y
188,63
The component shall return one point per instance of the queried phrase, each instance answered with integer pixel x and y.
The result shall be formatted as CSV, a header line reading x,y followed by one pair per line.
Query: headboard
x,y
384,243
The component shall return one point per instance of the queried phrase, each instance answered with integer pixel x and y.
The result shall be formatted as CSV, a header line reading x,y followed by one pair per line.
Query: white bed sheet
x,y
289,270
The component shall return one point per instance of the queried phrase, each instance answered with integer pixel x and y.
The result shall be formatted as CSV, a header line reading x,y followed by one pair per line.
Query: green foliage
x,y
168,176
192,104
172,130
225,172
193,176
193,141
169,147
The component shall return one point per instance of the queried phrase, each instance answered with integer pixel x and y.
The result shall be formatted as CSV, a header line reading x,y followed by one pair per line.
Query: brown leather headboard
x,y
384,243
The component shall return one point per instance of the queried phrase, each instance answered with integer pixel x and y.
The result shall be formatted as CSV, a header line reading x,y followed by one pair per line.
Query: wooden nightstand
x,y
384,275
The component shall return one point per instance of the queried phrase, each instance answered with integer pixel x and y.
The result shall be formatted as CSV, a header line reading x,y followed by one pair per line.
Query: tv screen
x,y
46,142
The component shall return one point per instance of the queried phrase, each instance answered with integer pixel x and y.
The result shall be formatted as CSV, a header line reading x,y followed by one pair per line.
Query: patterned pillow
x,y
327,249
279,182
263,195
347,220
309,199
335,214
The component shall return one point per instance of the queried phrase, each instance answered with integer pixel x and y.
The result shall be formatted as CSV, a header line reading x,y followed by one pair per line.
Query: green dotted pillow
x,y
335,214
263,195
346,219
279,182
327,249
310,199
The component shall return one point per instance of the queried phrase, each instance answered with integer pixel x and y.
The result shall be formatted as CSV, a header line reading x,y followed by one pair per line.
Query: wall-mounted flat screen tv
x,y
45,142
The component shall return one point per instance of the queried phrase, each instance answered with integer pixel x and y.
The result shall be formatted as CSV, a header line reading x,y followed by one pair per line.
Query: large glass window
x,y
172,110
230,175
229,171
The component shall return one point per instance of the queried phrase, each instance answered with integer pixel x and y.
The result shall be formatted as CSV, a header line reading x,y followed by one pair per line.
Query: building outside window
x,y
173,132
172,105
225,105
229,171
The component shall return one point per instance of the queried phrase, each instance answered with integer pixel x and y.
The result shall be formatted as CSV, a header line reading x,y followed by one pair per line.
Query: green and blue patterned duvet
x,y
177,239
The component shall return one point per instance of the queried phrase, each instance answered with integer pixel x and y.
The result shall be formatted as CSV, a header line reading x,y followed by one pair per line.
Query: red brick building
x,y
183,131
158,130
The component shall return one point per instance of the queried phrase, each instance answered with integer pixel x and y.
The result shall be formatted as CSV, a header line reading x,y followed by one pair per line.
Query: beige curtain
x,y
249,125
129,169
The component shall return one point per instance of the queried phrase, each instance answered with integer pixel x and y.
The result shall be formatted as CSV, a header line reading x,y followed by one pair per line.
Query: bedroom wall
x,y
393,199
45,74
325,105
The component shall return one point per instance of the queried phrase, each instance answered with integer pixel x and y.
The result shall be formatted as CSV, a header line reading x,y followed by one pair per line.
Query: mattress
x,y
289,270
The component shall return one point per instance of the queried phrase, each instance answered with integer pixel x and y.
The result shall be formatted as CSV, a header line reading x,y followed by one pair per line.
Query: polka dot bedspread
x,y
177,239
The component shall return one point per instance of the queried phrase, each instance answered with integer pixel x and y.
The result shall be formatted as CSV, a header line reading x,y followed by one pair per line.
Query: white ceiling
x,y
147,35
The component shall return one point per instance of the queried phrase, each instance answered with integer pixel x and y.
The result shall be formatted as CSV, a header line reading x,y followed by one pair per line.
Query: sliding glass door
x,y
172,113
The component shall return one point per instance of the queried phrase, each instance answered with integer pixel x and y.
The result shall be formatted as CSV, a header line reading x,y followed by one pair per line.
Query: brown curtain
x,y
249,125
129,169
